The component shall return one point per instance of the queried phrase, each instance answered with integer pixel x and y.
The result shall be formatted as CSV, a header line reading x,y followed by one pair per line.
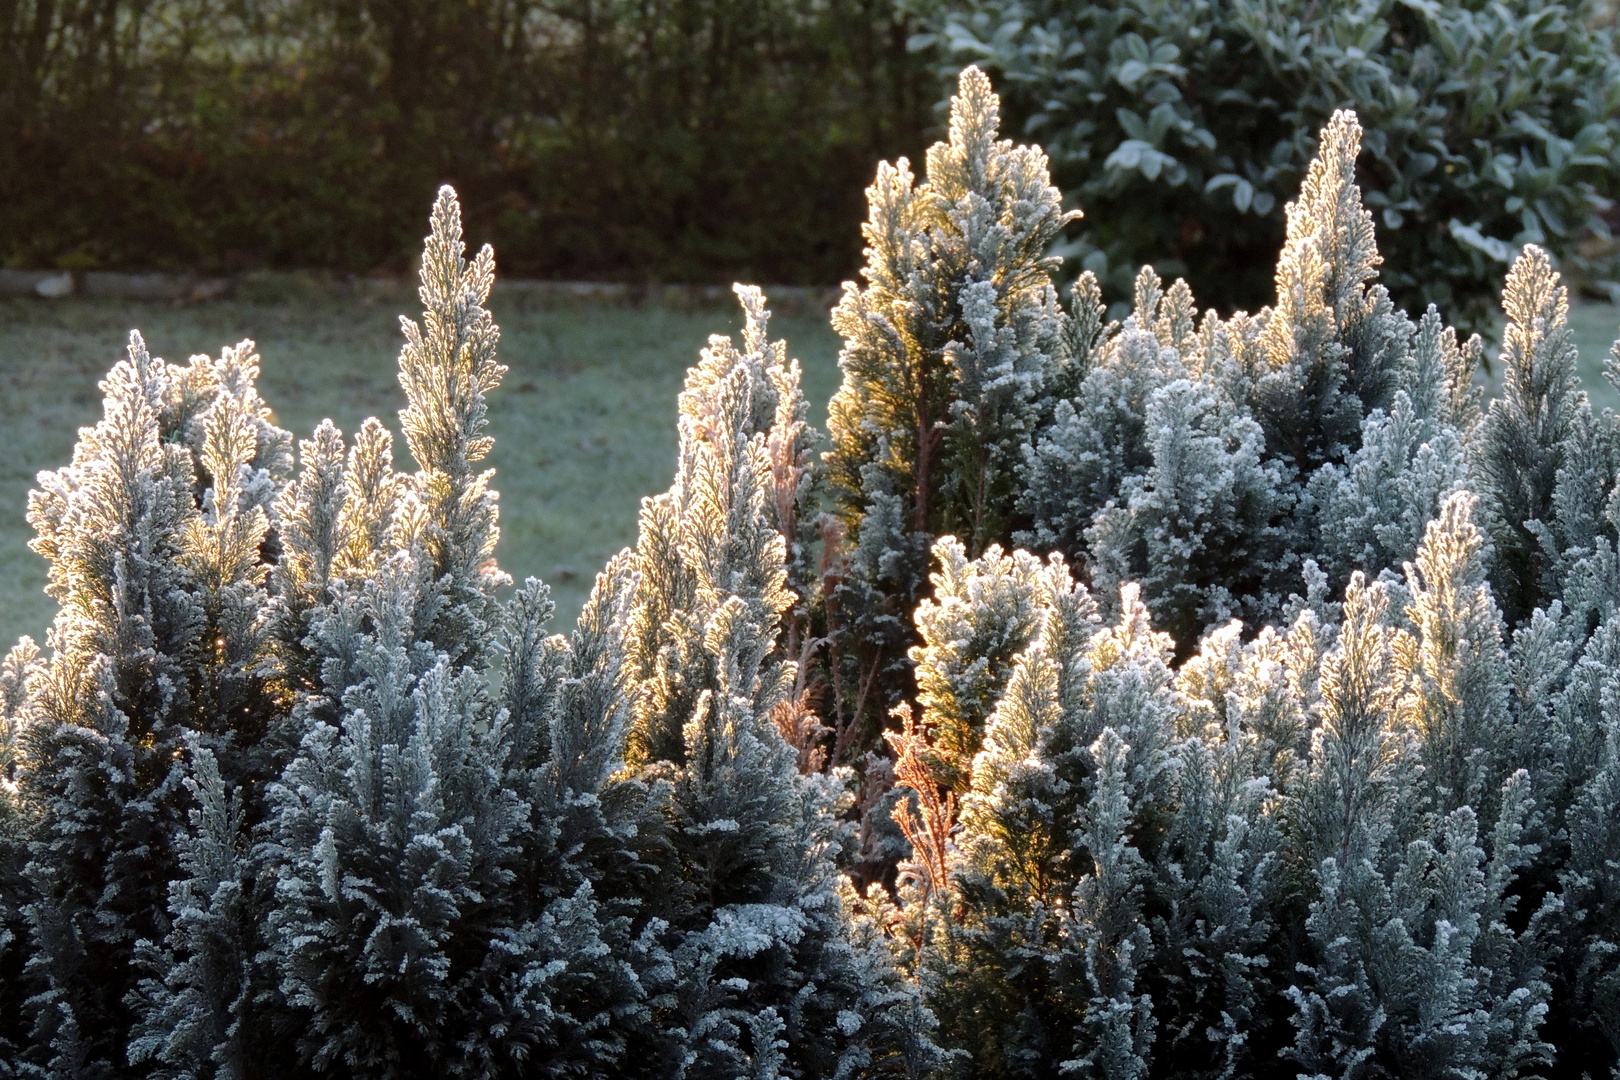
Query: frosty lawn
x,y
585,416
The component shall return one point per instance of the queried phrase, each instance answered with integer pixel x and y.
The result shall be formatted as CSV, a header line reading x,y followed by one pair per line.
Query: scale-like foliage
x,y
1372,510
1212,459
192,1022
14,823
295,791
763,972
447,366
155,535
983,613
1592,895
1109,905
946,352
438,847
1523,440
1414,964
1458,698
1196,530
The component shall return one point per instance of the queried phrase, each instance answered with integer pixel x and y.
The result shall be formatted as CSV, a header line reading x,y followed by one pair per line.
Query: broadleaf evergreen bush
x,y
1183,128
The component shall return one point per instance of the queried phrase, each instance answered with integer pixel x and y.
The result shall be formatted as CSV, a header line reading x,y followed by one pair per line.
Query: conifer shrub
x,y
766,969
1302,773
946,356
1299,755
1184,127
300,786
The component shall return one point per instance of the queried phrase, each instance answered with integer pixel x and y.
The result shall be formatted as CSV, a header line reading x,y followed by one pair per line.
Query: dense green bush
x,y
1182,126
696,140
299,786
1298,755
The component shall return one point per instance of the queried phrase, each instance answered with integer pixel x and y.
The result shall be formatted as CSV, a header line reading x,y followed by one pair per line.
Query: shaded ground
x,y
584,424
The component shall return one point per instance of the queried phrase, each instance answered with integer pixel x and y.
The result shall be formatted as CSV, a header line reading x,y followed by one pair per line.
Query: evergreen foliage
x,y
946,352
155,535
1214,460
298,788
982,615
1336,836
764,972
1538,434
1414,965
438,845
1184,126
298,793
14,824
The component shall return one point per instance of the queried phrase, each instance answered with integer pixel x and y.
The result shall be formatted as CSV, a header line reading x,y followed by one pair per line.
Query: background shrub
x,y
1183,126
687,140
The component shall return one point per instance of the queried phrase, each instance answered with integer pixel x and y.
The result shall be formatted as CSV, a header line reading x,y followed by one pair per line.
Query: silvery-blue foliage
x,y
764,970
155,536
440,849
1298,757
1210,459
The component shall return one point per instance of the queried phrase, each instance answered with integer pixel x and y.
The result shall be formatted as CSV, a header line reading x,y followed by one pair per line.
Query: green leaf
x,y
1130,73
1133,125
1500,250
1127,155
1242,195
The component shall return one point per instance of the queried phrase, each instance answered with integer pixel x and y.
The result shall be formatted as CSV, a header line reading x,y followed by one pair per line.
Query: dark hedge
x,y
646,140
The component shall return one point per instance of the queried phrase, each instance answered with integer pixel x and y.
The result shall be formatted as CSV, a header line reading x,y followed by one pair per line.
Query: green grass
x,y
584,423
1596,326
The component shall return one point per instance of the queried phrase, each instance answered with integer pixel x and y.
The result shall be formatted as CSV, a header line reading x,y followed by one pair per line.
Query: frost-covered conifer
x,y
946,351
293,790
438,846
760,388
762,972
1572,767
1413,966
192,1007
1121,897
335,519
438,855
14,823
1588,1012
1372,510
155,536
446,368
982,615
1457,701
1196,529
1212,459
1240,729
1582,547
1333,344
1096,438
391,830
1110,899
1524,439
781,413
